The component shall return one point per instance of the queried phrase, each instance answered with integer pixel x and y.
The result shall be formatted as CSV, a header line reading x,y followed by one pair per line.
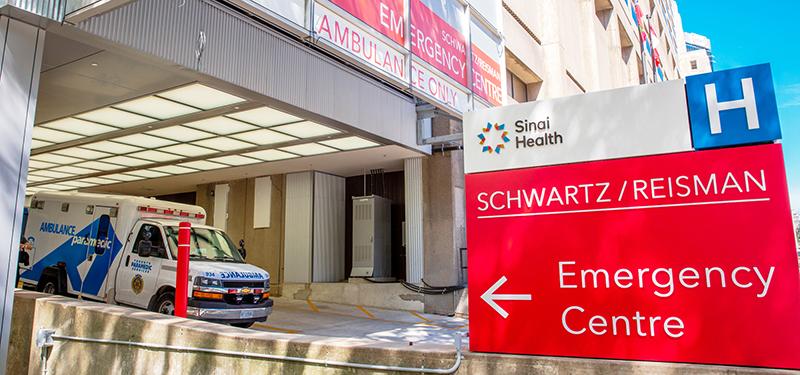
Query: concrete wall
x,y
386,296
443,227
71,317
92,320
264,245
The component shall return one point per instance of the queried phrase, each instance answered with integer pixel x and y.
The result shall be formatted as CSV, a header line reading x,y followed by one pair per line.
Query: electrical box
x,y
372,238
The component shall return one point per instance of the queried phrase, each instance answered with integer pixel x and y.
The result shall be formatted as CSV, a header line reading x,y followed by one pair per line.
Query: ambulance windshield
x,y
206,245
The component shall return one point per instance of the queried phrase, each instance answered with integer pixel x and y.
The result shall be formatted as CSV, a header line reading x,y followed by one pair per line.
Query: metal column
x,y
20,65
414,241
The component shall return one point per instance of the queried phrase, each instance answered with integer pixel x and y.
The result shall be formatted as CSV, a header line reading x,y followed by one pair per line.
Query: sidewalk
x,y
307,317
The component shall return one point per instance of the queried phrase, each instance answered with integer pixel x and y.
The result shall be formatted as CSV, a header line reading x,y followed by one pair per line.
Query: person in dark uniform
x,y
24,258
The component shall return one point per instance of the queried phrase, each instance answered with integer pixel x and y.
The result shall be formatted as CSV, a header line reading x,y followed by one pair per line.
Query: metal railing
x,y
46,338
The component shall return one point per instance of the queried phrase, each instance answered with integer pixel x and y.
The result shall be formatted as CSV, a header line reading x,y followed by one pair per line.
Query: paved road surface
x,y
300,317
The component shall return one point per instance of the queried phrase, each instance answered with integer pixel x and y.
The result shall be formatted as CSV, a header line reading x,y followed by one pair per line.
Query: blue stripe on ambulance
x,y
74,254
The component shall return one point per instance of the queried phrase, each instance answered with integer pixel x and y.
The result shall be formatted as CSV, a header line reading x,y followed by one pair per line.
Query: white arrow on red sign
x,y
490,297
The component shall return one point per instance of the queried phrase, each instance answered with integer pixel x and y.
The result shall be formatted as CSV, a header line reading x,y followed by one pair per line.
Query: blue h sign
x,y
733,107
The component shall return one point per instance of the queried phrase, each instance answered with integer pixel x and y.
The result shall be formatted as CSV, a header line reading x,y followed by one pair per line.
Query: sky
x,y
751,32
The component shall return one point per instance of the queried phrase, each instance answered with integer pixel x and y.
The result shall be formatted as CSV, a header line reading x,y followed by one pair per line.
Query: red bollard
x,y
182,275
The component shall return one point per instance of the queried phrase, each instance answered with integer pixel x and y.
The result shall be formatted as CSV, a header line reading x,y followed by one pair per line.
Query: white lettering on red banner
x,y
486,77
359,43
385,16
438,43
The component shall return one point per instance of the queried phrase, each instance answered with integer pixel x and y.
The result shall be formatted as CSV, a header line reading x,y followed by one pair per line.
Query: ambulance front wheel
x,y
165,304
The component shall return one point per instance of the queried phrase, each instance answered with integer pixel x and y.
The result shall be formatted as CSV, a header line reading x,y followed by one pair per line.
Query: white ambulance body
x,y
123,249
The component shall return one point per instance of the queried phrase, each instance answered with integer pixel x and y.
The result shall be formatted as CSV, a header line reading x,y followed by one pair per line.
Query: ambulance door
x,y
137,275
102,246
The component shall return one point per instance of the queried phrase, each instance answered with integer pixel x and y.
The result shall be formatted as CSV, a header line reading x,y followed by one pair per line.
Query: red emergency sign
x,y
686,257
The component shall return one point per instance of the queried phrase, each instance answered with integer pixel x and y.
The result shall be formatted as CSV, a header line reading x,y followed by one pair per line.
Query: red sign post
x,y
684,257
182,273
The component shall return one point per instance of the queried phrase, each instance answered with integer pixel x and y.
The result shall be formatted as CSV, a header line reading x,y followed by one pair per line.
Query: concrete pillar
x,y
444,223
20,65
415,244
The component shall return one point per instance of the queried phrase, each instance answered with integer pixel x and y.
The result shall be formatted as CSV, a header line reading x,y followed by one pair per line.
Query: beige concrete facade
x,y
264,245
567,47
696,57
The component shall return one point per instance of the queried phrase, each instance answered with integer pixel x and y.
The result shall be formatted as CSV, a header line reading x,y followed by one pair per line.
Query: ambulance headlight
x,y
204,281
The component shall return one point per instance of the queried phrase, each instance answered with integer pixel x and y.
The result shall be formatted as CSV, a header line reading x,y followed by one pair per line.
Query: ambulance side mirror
x,y
241,249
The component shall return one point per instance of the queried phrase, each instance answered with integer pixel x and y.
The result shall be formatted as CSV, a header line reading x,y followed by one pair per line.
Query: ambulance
x,y
123,249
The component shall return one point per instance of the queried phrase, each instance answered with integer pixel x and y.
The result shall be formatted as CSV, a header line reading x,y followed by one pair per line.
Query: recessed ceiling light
x,y
51,174
159,108
308,149
349,143
79,126
305,129
35,143
77,184
270,155
235,160
57,187
223,144
99,181
144,140
99,166
156,156
115,117
123,177
83,153
263,137
94,64
33,190
73,170
36,164
125,161
57,159
203,165
221,125
35,178
200,96
264,116
147,174
112,147
50,135
181,133
188,150
173,169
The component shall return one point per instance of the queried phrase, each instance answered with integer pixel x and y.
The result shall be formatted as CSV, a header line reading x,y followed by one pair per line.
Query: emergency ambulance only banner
x,y
652,255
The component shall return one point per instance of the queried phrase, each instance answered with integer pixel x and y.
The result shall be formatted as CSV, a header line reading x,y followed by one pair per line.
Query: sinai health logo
x,y
499,138
528,134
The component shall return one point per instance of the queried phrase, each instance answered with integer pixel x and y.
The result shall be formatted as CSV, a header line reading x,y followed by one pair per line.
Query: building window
x,y
694,64
517,89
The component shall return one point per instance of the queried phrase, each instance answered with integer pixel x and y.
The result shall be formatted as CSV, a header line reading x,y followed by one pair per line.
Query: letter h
x,y
748,103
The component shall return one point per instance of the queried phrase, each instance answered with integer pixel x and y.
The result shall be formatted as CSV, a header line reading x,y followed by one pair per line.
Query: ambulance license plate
x,y
246,314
